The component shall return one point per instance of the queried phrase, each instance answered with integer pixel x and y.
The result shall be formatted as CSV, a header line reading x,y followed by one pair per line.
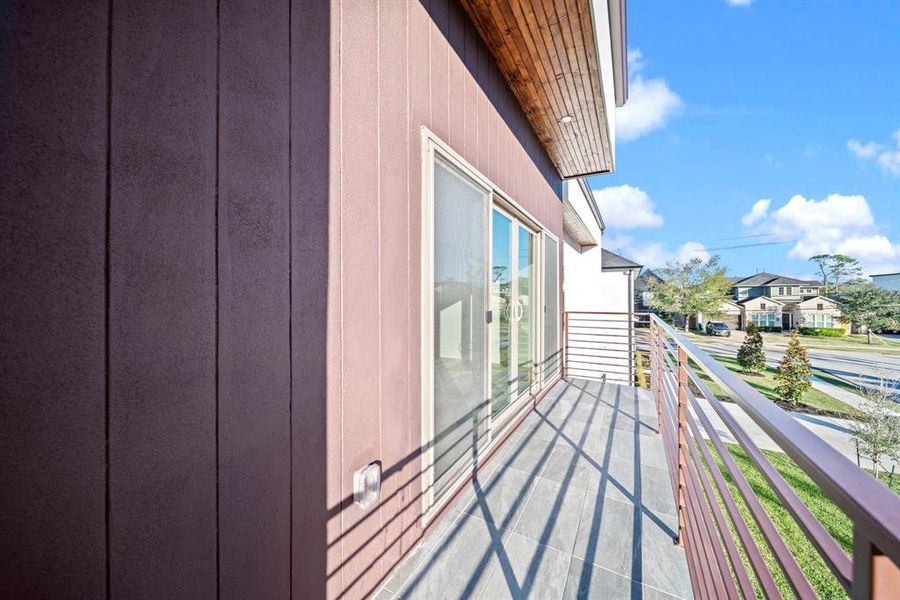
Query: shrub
x,y
750,355
823,331
767,328
793,372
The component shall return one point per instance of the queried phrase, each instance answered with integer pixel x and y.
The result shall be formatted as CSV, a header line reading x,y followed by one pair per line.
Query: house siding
x,y
401,66
211,274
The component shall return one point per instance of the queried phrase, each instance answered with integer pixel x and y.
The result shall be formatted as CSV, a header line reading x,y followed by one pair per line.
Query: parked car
x,y
718,328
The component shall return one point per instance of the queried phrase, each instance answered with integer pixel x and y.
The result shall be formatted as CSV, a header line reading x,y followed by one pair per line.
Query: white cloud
x,y
689,250
838,224
863,150
739,2
887,158
650,102
759,211
654,254
627,207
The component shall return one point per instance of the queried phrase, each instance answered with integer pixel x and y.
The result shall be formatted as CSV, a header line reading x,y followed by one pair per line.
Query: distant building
x,y
888,281
642,293
777,302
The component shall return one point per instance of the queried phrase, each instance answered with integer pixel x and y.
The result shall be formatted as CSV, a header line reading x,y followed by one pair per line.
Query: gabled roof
x,y
650,275
766,298
818,299
769,279
611,260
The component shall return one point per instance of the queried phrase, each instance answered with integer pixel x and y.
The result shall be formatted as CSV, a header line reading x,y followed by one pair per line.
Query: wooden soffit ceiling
x,y
547,52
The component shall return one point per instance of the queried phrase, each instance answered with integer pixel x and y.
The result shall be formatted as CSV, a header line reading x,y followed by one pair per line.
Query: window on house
x,y
765,318
819,320
820,307
781,291
762,306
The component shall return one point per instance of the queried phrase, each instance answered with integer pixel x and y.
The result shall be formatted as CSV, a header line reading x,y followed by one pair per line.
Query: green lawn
x,y
834,520
813,400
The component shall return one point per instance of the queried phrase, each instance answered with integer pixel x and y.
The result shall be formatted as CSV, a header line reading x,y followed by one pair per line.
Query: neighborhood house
x,y
775,302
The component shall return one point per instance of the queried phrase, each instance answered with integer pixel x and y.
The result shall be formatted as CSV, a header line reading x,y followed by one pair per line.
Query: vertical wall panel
x,y
440,68
363,538
254,360
394,234
418,66
311,315
53,140
458,78
162,436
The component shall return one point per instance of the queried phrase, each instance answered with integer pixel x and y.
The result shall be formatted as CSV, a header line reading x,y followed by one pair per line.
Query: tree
x,y
750,355
864,303
877,434
793,372
837,267
690,287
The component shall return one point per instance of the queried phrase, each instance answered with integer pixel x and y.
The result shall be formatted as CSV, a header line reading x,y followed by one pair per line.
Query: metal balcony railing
x,y
711,526
728,556
611,346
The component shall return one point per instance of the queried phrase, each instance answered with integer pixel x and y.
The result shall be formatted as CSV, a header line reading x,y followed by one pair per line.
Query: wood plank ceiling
x,y
547,52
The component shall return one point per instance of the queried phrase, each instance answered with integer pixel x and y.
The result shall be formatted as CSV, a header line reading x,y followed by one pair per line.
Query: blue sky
x,y
793,102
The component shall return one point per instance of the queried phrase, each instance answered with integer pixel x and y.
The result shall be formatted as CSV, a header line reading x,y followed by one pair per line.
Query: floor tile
x,y
462,563
605,533
527,569
503,498
552,515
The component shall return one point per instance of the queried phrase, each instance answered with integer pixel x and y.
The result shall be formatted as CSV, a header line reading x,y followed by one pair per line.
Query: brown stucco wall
x,y
210,285
399,66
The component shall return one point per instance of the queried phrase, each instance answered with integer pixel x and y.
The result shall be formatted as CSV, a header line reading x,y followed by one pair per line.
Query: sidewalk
x,y
835,432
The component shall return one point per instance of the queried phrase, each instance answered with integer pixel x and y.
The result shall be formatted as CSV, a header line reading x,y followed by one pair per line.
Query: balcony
x,y
578,503
608,490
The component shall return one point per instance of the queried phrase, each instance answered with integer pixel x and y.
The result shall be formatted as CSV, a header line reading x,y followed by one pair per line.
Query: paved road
x,y
856,367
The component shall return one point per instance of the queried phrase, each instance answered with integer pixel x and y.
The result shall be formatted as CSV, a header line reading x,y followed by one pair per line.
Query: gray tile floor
x,y
577,504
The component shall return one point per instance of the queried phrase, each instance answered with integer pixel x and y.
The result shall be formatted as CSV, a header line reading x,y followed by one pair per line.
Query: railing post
x,y
682,441
875,576
565,356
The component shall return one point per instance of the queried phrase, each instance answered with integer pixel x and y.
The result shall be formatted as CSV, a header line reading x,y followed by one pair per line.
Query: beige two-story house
x,y
777,302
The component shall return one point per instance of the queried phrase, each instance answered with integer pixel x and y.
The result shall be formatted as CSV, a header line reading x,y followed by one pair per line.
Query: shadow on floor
x,y
577,504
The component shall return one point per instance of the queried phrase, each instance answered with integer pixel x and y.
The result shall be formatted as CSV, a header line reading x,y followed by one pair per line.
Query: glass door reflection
x,y
525,303
502,312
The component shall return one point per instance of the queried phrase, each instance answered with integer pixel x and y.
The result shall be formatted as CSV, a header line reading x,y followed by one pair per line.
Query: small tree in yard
x,y
864,303
750,355
877,435
793,372
689,288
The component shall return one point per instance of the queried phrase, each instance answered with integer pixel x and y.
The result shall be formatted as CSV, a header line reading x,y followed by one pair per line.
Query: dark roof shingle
x,y
611,260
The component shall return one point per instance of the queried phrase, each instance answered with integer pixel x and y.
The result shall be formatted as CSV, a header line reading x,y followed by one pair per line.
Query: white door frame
x,y
433,146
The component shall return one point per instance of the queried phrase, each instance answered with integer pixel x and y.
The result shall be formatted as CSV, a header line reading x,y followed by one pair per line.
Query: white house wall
x,y
587,288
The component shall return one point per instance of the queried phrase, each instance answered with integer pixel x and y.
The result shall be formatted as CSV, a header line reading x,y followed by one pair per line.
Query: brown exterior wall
x,y
164,279
401,66
210,285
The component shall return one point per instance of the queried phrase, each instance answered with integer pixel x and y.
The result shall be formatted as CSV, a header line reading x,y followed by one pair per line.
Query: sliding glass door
x,y
460,263
485,304
513,323
502,312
